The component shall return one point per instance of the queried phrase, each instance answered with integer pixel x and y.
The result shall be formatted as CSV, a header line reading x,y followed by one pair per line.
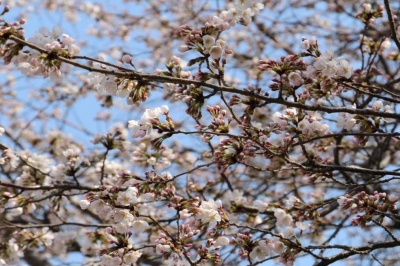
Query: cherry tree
x,y
214,132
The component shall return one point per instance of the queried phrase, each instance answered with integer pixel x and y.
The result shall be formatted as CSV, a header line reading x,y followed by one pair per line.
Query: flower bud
x,y
126,58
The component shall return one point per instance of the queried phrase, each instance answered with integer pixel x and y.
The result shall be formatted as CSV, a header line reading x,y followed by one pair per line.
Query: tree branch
x,y
391,23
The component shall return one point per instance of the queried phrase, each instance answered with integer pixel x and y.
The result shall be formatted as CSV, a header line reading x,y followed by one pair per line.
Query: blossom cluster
x,y
233,150
207,41
203,41
33,63
324,63
218,123
285,224
74,162
10,253
318,77
378,105
9,156
159,160
371,206
330,67
123,219
368,15
309,125
208,212
241,12
279,244
148,121
126,258
349,121
121,87
346,120
265,247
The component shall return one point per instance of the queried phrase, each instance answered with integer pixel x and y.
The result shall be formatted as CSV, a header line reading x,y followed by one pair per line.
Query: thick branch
x,y
127,73
20,226
352,251
352,169
63,187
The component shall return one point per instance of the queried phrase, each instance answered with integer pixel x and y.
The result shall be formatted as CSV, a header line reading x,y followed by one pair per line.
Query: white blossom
x,y
261,205
295,79
259,253
393,198
216,52
183,48
377,105
106,260
131,257
291,201
11,157
208,41
84,204
282,218
160,248
367,7
140,226
344,69
209,211
127,197
288,232
222,241
302,225
305,44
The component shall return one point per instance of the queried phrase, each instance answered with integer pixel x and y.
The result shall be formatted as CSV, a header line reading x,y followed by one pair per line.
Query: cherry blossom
x,y
208,212
251,146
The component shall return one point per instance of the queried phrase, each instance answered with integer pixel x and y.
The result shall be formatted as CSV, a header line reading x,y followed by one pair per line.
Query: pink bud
x,y
126,58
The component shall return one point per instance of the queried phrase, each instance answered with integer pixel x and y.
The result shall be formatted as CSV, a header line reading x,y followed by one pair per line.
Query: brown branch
x,y
352,251
391,23
62,187
166,79
335,135
370,93
20,226
352,169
